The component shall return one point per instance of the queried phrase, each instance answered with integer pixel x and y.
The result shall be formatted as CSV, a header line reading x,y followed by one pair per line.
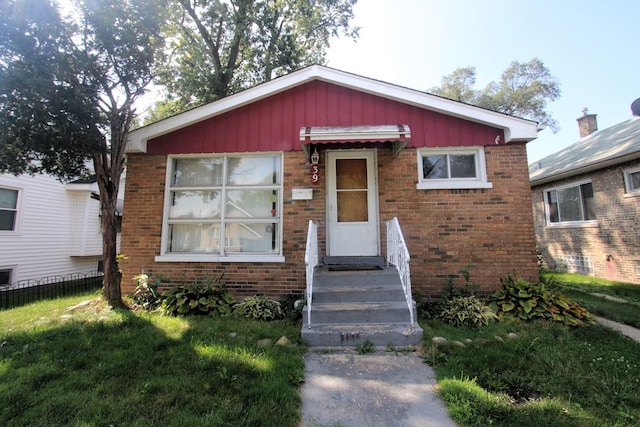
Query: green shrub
x,y
146,293
259,307
210,298
366,348
288,306
467,311
519,299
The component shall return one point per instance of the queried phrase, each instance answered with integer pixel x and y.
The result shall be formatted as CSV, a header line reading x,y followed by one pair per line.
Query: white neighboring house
x,y
48,228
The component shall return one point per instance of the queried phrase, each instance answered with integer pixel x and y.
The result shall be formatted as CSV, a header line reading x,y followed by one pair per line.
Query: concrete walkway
x,y
378,389
627,330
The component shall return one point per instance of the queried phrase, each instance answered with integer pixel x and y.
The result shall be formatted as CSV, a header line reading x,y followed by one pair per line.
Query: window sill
x,y
217,258
454,185
575,224
632,194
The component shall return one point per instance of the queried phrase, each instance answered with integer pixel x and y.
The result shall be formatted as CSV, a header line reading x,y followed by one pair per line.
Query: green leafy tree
x,y
218,47
67,89
523,90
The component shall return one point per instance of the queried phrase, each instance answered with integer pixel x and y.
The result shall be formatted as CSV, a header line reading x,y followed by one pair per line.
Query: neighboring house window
x,y
8,209
632,180
452,168
225,206
570,204
5,276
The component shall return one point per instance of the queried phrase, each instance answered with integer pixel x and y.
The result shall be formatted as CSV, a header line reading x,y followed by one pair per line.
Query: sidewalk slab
x,y
378,389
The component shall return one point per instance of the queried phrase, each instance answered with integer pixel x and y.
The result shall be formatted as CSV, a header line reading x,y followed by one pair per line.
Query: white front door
x,y
352,203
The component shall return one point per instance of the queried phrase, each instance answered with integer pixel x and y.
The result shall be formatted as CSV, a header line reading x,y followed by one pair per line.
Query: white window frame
x,y
567,224
480,181
18,219
166,256
627,182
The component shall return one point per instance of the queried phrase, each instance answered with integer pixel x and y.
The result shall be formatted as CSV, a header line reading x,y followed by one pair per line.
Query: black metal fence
x,y
26,291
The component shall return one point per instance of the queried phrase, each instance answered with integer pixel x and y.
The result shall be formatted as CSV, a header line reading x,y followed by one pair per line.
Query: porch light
x,y
315,157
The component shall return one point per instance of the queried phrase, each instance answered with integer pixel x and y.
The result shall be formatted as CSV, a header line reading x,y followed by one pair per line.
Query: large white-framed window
x,y
223,208
9,202
632,181
442,168
570,205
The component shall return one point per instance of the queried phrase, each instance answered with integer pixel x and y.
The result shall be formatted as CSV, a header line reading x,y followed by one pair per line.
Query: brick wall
x,y
491,229
614,245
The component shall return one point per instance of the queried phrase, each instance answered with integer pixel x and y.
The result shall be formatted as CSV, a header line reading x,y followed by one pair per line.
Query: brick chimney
x,y
587,123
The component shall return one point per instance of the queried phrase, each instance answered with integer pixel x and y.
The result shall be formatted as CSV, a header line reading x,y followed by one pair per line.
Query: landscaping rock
x,y
283,341
265,342
512,335
440,340
459,344
498,338
233,334
468,341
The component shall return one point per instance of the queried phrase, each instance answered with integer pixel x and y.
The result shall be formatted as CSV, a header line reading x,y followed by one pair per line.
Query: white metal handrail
x,y
398,256
311,261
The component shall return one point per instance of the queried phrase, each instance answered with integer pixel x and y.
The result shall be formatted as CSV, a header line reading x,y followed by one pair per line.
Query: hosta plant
x,y
197,298
469,311
259,307
520,299
146,294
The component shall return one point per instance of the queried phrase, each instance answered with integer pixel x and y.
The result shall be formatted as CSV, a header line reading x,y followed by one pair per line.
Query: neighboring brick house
x,y
586,202
227,187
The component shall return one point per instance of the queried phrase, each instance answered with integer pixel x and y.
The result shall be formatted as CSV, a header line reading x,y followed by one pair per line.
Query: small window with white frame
x,y
571,204
224,207
632,181
8,209
455,168
5,276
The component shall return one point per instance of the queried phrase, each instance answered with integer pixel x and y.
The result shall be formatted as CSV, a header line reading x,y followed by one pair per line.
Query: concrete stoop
x,y
358,300
383,335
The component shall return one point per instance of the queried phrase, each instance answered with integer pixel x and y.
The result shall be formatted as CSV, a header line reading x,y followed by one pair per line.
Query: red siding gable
x,y
273,123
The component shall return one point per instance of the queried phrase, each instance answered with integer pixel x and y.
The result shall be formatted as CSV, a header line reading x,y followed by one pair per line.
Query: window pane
x,y
195,204
353,206
8,198
351,174
251,203
570,204
634,181
195,238
7,220
253,170
588,200
435,167
248,238
5,277
463,165
552,206
198,172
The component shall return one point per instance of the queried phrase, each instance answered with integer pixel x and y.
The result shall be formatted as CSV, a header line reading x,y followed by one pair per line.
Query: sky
x,y
591,47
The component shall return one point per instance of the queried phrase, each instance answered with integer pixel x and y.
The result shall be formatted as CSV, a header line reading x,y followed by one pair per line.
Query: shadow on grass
x,y
136,369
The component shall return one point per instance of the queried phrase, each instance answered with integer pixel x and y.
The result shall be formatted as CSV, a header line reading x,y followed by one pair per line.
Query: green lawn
x,y
581,289
95,366
547,375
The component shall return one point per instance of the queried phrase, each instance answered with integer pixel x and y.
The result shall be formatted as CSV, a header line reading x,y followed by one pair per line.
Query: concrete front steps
x,y
358,299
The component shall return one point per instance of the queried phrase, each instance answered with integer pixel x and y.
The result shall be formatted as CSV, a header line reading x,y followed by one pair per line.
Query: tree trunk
x,y
112,275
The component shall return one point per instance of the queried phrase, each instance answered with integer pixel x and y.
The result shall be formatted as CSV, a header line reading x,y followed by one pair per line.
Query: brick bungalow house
x,y
585,201
230,187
